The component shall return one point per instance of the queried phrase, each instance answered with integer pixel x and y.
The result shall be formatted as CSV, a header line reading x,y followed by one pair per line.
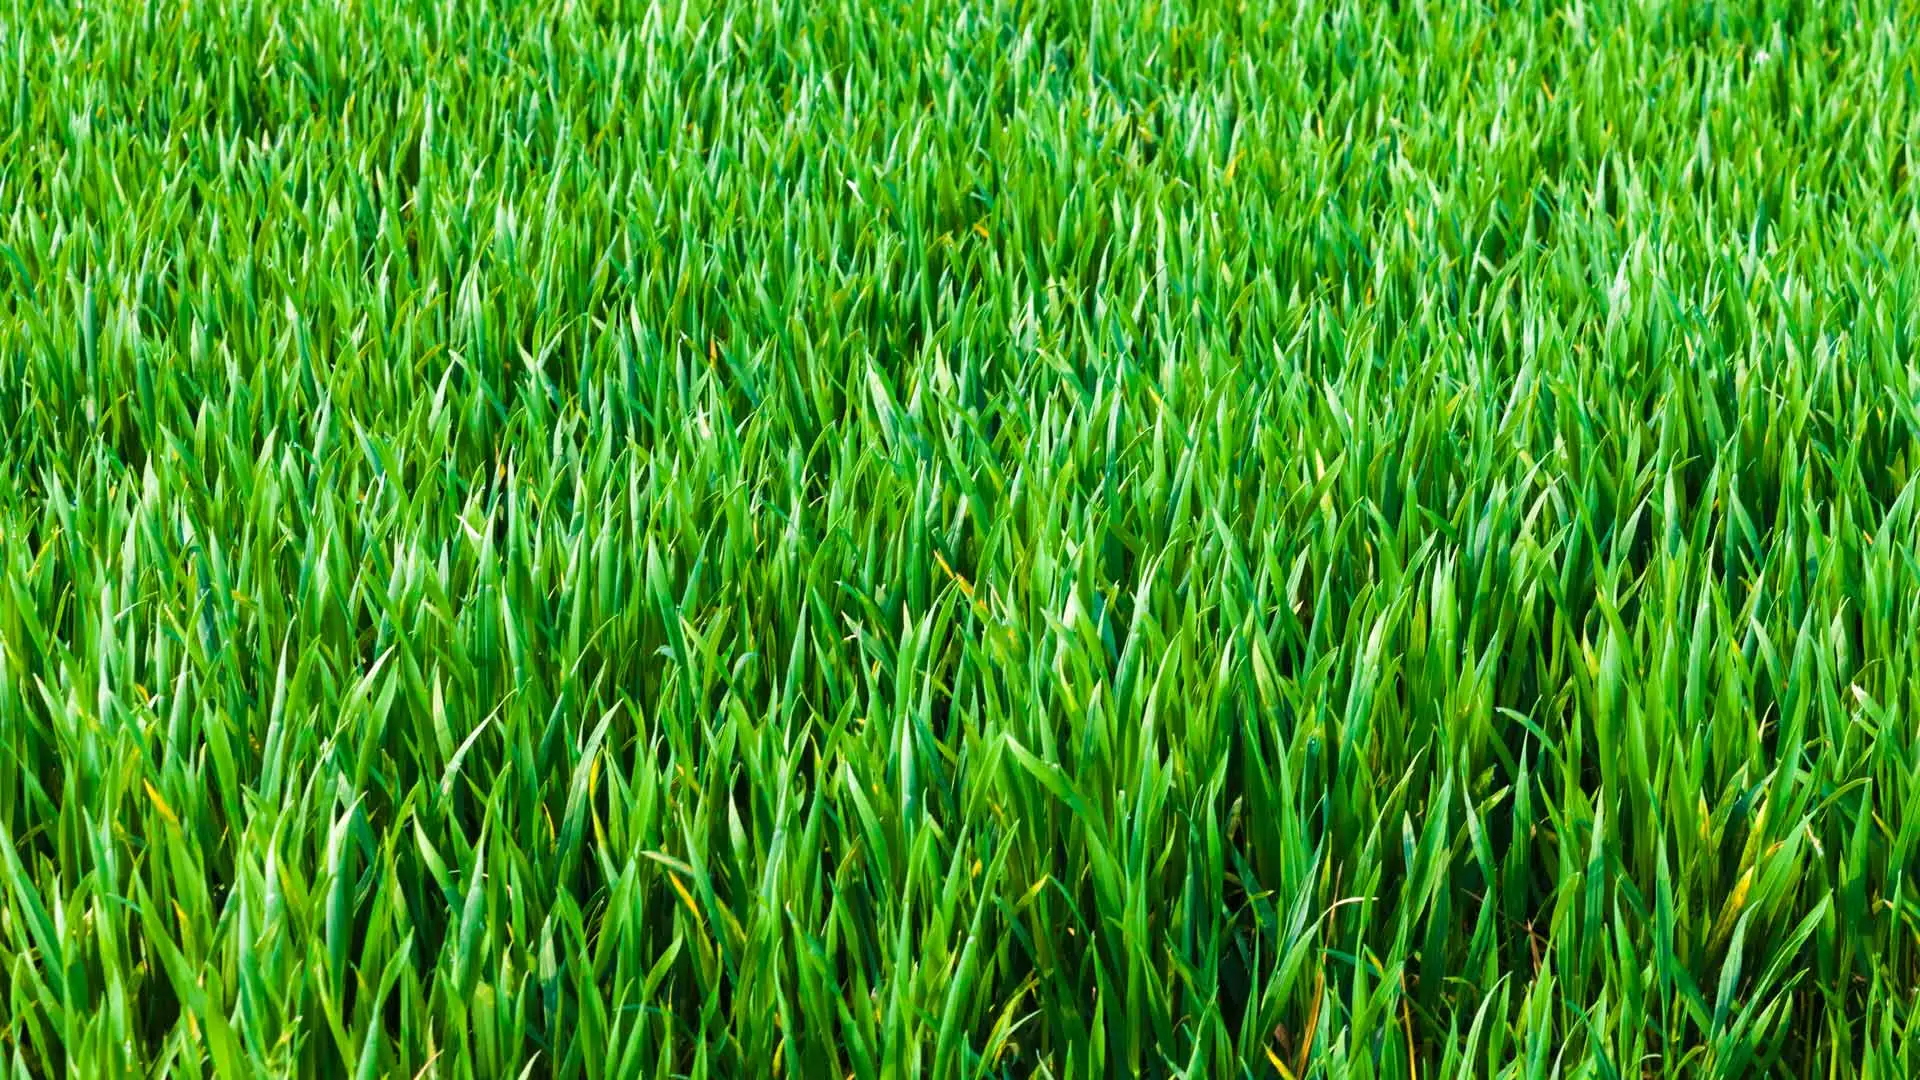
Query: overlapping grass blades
x,y
1046,538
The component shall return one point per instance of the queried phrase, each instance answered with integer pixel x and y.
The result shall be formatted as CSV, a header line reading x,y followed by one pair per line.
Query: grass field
x,y
1062,538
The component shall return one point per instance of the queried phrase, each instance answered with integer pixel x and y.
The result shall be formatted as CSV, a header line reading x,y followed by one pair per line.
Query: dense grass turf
x,y
1059,537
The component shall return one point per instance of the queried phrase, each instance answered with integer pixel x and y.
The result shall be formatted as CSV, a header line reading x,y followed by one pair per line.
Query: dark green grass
x,y
1080,538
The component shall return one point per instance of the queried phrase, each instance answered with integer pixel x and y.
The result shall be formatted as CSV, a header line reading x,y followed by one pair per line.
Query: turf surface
x,y
1045,538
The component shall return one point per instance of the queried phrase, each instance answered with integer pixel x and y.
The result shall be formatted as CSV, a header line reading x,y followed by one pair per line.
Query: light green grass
x,y
866,539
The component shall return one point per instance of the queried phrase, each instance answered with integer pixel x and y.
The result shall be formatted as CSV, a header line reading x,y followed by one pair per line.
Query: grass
x,y
995,539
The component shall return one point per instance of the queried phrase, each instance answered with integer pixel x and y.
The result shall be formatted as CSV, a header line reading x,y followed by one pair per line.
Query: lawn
x,y
1002,538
